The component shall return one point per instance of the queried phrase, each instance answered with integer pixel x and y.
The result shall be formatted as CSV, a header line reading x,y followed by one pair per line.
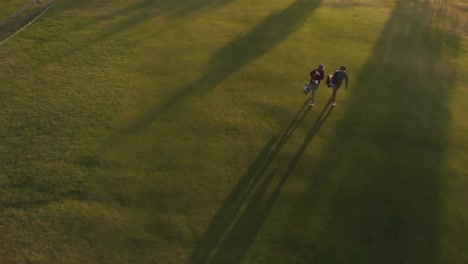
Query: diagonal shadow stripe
x,y
270,32
241,194
377,200
244,229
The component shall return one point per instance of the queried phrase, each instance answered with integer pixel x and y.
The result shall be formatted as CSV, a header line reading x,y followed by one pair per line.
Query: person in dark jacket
x,y
338,77
316,76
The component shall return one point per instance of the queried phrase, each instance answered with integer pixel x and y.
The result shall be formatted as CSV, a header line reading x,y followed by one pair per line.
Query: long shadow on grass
x,y
175,8
271,31
378,199
182,8
133,15
242,214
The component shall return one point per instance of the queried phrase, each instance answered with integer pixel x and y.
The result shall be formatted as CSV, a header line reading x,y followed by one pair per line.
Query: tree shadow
x,y
182,8
235,226
134,15
270,32
449,16
377,198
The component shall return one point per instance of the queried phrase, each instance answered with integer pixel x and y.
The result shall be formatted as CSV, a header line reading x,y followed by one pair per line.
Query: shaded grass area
x,y
9,7
25,15
379,200
242,214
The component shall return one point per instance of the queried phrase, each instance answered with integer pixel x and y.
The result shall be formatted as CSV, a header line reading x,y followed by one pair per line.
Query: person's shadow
x,y
235,226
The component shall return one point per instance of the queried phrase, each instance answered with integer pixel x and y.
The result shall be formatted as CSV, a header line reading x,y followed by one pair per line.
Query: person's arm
x,y
347,80
334,75
322,74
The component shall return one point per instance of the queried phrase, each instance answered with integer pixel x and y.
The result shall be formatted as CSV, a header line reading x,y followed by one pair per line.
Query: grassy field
x,y
155,131
9,7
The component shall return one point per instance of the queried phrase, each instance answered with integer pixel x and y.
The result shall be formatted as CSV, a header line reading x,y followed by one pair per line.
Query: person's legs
x,y
307,87
314,90
335,89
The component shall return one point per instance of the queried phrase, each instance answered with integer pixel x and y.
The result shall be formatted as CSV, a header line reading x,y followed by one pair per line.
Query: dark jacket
x,y
339,76
317,77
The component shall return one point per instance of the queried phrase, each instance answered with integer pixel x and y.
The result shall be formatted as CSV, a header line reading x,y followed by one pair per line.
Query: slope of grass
x,y
158,131
9,7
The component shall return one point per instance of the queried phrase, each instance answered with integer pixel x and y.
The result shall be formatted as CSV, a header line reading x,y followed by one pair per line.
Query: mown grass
x,y
167,132
9,7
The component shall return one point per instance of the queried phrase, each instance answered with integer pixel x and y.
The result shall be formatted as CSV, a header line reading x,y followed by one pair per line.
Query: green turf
x,y
10,7
156,131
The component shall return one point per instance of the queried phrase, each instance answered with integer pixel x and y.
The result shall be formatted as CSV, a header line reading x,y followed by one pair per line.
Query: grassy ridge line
x,y
18,13
9,7
26,15
25,26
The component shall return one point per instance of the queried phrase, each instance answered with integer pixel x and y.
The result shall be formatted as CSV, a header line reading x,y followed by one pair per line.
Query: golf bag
x,y
329,81
307,87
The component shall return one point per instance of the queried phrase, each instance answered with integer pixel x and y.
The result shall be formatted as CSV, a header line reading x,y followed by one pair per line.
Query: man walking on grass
x,y
316,75
337,80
